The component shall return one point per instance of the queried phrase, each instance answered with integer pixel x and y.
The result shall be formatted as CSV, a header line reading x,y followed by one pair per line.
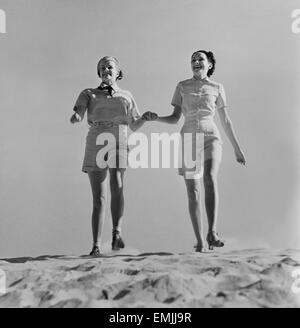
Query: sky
x,y
49,54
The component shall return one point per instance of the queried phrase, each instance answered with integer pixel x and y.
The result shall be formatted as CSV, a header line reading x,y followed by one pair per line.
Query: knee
x,y
194,195
116,190
116,186
99,201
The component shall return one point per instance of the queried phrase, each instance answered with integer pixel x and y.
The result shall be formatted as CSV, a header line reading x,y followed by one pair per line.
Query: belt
x,y
107,124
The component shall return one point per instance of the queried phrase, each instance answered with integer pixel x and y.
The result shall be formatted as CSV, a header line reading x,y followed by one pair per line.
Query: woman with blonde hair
x,y
110,110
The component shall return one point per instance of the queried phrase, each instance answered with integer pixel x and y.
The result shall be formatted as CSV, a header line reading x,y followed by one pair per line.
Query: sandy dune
x,y
246,278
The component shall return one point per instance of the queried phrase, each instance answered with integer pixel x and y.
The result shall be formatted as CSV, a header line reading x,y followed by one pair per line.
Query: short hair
x,y
211,58
116,61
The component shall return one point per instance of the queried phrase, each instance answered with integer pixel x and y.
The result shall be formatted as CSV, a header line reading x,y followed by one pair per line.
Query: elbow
x,y
175,120
133,127
227,122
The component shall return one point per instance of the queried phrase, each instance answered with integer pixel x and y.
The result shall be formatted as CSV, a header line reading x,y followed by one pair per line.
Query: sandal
x,y
199,248
117,242
95,251
213,240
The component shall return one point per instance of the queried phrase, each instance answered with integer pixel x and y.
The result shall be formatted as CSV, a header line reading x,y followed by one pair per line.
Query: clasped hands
x,y
150,116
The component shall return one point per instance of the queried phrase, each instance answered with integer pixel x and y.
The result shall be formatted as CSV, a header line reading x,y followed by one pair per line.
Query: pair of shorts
x,y
195,151
101,155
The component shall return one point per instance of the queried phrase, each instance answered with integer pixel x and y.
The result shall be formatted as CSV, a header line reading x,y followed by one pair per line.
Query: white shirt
x,y
199,100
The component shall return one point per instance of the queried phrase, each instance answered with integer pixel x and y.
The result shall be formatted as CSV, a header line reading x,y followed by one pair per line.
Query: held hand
x,y
149,116
75,118
240,157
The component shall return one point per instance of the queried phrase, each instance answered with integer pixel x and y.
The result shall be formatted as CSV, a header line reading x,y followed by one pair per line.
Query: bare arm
x,y
135,125
150,116
229,130
173,118
81,106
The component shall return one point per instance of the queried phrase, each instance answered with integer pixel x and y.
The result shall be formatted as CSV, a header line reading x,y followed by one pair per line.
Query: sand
x,y
244,278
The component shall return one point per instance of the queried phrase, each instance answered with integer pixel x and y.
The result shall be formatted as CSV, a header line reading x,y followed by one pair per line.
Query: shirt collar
x,y
115,87
206,79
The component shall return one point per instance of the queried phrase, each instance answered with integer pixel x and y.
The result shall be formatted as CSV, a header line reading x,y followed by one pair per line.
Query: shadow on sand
x,y
71,257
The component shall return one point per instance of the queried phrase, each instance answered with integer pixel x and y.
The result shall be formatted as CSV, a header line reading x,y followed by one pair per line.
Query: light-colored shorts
x,y
210,148
100,157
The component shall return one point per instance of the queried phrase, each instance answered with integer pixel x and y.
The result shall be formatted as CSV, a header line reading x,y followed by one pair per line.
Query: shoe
x,y
199,249
213,240
95,251
117,242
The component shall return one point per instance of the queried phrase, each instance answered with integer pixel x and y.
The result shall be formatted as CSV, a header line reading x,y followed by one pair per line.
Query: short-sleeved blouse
x,y
199,100
120,108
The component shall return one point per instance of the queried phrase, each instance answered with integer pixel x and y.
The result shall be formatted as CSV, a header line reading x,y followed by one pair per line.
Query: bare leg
x,y
99,190
117,197
193,191
211,168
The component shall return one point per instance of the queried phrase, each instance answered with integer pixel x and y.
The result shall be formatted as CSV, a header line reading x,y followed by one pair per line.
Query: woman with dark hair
x,y
197,99
110,110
